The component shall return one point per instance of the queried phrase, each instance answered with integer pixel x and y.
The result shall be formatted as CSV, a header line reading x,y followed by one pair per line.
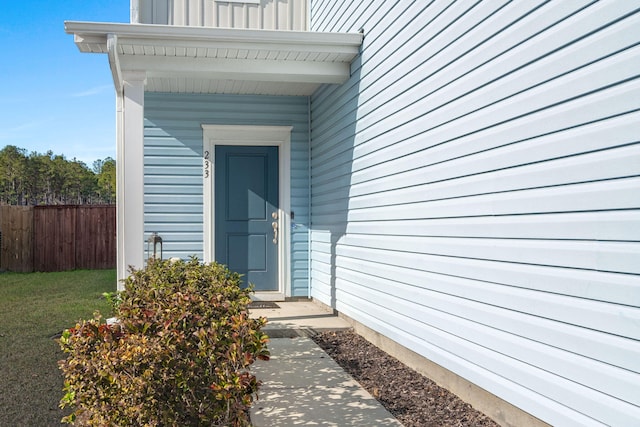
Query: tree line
x,y
50,179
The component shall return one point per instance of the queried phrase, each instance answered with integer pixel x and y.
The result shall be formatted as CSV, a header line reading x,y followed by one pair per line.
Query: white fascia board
x,y
149,32
174,51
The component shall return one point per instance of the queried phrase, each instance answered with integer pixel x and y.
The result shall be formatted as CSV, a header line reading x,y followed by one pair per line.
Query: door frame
x,y
248,135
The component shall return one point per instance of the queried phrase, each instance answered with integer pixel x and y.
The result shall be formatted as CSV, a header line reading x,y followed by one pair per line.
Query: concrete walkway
x,y
302,385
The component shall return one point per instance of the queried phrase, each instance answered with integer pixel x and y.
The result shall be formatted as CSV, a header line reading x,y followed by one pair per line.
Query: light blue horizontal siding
x,y
173,196
476,194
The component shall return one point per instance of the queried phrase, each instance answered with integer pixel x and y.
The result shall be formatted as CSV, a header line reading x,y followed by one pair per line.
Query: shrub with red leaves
x,y
179,354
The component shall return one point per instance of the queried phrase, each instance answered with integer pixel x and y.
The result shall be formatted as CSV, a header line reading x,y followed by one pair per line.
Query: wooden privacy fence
x,y
57,238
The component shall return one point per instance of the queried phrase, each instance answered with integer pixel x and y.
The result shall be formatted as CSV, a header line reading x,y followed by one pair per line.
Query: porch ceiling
x,y
220,60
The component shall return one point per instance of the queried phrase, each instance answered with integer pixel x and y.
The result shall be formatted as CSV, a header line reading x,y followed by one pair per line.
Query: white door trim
x,y
279,136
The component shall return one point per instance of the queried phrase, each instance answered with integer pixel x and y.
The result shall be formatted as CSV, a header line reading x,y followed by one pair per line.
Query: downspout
x,y
309,198
114,62
116,73
120,260
308,4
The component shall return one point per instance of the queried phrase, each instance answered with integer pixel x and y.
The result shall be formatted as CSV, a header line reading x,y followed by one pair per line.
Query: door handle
x,y
274,225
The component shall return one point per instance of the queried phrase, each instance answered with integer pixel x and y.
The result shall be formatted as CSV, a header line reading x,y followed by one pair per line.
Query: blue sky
x,y
52,97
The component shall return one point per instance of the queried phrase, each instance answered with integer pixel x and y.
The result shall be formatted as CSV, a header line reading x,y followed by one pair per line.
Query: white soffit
x,y
220,60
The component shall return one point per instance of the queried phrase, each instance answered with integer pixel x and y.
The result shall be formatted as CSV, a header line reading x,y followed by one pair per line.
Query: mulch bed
x,y
412,398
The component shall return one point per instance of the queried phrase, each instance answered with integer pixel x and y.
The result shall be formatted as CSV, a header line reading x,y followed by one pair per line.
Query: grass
x,y
34,308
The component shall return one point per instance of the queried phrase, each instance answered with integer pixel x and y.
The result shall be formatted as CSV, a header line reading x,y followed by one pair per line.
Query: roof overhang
x,y
220,60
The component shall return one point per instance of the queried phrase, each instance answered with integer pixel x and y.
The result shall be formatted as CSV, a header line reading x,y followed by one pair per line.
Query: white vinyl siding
x,y
476,194
173,195
253,14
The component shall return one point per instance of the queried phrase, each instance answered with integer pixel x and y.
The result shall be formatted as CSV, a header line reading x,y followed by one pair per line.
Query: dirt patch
x,y
412,398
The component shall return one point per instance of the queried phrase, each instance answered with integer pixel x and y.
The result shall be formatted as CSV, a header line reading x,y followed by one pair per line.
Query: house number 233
x,y
207,164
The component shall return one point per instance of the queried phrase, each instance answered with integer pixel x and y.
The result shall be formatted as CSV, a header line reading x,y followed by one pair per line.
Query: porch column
x,y
130,164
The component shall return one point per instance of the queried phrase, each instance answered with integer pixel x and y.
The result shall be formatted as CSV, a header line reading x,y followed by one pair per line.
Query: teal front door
x,y
246,213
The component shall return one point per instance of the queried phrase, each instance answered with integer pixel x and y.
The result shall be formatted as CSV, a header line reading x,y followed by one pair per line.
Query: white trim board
x,y
279,136
175,56
130,176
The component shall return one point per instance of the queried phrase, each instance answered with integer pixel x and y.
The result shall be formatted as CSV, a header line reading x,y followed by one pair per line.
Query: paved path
x,y
302,385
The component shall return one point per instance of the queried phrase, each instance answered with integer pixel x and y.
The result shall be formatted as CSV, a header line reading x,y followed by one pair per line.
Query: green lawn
x,y
33,308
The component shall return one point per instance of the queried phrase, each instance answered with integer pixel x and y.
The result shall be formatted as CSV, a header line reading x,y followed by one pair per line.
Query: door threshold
x,y
268,296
